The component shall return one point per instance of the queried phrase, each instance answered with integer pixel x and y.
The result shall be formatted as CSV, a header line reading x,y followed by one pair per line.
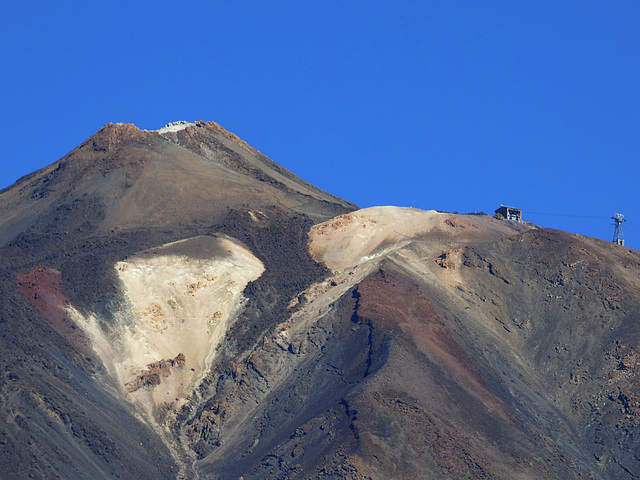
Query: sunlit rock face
x,y
180,300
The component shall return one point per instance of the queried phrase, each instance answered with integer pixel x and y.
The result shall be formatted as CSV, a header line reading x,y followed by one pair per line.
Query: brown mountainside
x,y
177,305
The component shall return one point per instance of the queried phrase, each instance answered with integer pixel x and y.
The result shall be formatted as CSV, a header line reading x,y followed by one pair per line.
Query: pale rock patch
x,y
181,299
353,238
175,127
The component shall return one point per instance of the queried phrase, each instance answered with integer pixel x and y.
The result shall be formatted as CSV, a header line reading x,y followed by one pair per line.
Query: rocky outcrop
x,y
155,372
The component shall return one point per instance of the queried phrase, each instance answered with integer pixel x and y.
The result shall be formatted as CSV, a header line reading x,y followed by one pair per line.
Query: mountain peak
x,y
185,170
176,305
112,134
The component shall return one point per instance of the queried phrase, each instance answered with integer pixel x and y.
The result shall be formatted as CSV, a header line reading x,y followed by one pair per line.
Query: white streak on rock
x,y
175,127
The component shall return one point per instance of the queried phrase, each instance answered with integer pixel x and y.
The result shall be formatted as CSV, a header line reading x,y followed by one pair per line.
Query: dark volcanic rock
x,y
177,305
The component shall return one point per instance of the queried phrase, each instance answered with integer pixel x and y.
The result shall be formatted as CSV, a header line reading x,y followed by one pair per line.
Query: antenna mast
x,y
618,236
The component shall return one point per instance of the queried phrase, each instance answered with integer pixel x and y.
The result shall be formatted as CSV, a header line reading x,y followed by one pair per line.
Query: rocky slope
x,y
176,305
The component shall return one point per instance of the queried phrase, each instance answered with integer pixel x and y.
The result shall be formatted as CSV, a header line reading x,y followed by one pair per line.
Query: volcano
x,y
176,305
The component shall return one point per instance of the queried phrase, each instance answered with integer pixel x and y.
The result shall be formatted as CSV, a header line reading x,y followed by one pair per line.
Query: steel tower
x,y
618,236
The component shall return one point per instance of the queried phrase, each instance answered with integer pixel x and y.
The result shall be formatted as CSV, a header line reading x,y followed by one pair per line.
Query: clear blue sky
x,y
456,105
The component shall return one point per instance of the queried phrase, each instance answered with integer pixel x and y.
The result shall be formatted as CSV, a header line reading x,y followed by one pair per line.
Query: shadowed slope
x,y
442,347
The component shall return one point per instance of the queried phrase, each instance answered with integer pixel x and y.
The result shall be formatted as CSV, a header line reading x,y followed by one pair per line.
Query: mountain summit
x,y
177,305
140,179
